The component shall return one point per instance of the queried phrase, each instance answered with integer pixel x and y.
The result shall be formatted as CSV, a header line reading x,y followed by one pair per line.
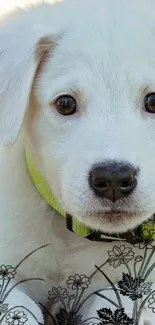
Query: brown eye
x,y
66,105
149,103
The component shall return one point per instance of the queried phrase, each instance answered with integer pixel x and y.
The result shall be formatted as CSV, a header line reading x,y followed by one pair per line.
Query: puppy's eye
x,y
66,105
149,103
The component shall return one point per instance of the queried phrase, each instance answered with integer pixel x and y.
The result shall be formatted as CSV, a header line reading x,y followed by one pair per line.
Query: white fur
x,y
106,59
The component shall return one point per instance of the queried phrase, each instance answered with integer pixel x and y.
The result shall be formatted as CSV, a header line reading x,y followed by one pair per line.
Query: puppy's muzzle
x,y
113,180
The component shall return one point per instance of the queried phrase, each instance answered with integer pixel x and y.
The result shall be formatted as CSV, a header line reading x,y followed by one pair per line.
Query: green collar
x,y
145,232
44,189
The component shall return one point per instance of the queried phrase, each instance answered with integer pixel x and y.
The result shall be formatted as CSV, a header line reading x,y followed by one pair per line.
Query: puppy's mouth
x,y
113,216
115,220
117,214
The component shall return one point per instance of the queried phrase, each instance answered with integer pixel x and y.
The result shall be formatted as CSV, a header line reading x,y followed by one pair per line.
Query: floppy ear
x,y
23,42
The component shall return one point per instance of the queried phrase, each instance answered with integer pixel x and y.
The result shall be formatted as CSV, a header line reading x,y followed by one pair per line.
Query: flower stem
x,y
89,296
149,271
134,267
28,255
91,318
82,303
15,285
108,299
148,262
129,271
75,300
79,298
134,313
2,288
103,264
142,306
113,287
63,304
53,320
143,262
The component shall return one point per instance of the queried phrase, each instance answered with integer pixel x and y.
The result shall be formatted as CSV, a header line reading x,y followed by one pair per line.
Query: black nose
x,y
113,180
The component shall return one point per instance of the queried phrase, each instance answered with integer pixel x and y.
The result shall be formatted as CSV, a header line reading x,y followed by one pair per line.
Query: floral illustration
x,y
7,272
120,255
16,318
133,287
57,294
68,318
151,304
78,282
148,242
71,299
139,258
145,288
3,308
118,317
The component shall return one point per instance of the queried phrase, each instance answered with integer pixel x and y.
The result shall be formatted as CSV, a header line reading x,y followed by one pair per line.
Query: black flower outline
x,y
145,288
120,255
7,272
148,242
138,258
118,317
3,308
16,318
133,288
151,302
78,282
68,318
57,294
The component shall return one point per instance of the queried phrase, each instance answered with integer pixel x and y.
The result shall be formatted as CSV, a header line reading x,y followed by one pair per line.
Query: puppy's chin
x,y
114,222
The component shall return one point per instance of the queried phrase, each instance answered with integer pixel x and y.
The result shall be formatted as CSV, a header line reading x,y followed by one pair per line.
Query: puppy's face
x,y
91,119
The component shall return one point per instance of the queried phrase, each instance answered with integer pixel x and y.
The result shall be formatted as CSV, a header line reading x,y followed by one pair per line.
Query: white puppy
x,y
77,93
